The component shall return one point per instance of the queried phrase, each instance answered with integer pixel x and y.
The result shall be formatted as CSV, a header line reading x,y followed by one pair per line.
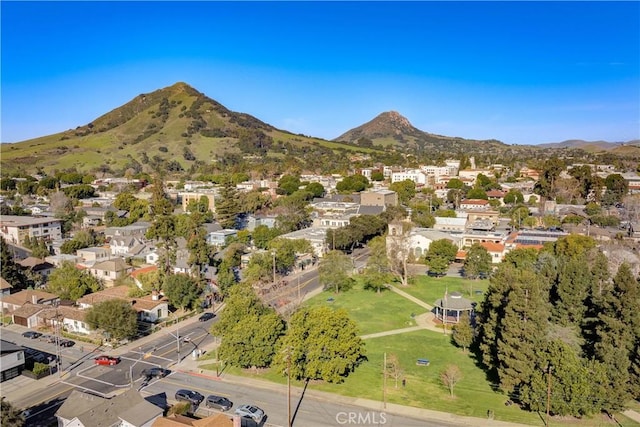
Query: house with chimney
x,y
128,409
150,308
12,302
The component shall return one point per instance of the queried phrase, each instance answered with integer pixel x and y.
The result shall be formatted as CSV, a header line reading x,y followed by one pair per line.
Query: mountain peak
x,y
389,124
395,121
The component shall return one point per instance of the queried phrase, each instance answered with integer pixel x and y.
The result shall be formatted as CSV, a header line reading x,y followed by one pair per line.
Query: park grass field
x,y
373,312
429,289
473,395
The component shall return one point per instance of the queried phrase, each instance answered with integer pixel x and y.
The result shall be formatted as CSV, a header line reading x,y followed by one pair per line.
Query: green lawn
x,y
429,289
373,312
473,395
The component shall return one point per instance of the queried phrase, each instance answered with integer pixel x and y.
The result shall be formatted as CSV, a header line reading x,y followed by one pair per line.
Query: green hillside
x,y
176,123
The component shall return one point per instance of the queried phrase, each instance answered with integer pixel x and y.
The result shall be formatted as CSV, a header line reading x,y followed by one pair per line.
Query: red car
x,y
106,360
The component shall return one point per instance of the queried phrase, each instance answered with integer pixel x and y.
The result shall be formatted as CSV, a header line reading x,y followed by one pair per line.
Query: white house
x,y
11,360
71,319
474,204
110,270
417,240
90,256
122,245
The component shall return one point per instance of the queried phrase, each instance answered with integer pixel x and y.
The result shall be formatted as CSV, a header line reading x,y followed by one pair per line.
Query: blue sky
x,y
519,72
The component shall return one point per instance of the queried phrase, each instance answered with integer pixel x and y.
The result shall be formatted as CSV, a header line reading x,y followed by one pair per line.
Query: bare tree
x,y
393,368
450,377
399,250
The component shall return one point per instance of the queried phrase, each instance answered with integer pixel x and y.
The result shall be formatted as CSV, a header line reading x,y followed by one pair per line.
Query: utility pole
x,y
289,387
57,338
548,393
384,381
273,253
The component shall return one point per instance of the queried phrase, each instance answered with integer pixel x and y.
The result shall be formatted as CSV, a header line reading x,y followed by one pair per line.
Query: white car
x,y
250,411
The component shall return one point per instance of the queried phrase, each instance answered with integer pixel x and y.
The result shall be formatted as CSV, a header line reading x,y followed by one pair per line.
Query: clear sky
x,y
519,72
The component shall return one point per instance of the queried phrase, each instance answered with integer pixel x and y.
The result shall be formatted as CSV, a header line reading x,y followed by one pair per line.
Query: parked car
x,y
31,334
106,360
155,373
218,402
194,397
48,338
250,411
67,343
206,316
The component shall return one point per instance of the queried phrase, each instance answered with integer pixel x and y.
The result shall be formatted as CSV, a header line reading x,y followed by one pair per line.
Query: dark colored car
x,y
67,343
191,396
218,402
206,316
155,373
106,360
31,334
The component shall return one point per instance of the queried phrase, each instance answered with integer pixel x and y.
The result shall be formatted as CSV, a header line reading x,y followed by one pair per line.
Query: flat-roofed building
x,y
14,228
379,198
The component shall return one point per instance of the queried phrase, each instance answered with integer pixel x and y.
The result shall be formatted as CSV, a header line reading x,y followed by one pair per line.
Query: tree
x,y
477,193
252,340
399,251
335,271
438,265
444,248
574,382
228,207
124,201
617,333
321,344
115,317
70,283
289,184
617,189
353,184
393,368
406,190
463,332
513,197
11,272
377,272
241,301
477,261
181,290
513,321
316,189
10,415
451,376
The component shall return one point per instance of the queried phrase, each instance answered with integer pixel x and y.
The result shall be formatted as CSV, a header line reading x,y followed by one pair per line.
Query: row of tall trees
x,y
558,317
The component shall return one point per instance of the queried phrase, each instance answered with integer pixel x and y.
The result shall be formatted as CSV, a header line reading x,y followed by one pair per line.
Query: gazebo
x,y
449,308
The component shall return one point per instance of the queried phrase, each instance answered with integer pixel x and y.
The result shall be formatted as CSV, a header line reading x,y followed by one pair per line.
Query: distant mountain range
x,y
591,145
180,125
